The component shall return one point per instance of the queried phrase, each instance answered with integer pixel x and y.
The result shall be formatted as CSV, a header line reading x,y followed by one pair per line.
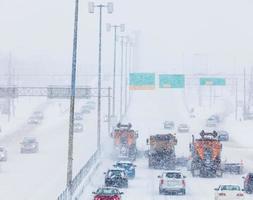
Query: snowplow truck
x,y
206,155
161,154
124,141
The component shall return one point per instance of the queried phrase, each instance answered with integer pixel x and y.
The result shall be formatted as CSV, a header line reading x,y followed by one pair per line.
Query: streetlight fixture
x,y
92,7
121,27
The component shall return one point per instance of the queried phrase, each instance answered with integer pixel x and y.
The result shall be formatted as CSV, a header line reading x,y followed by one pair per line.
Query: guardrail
x,y
79,177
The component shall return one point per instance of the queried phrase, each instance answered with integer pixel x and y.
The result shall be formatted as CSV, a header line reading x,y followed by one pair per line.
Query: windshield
x,y
173,175
107,191
124,165
116,173
230,187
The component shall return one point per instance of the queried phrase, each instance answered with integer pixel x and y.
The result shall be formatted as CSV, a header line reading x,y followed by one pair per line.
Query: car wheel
x,y
160,191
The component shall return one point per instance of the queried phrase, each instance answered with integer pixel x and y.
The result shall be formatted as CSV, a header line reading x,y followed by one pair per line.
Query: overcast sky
x,y
175,35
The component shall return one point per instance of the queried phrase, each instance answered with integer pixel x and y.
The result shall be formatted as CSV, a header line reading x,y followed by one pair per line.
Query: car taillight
x,y
161,181
240,195
183,182
222,194
115,198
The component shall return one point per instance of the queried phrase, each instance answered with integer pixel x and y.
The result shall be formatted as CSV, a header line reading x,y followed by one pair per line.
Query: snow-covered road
x,y
147,112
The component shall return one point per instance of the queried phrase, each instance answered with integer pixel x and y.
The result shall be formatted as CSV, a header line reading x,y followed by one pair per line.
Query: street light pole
x,y
126,71
72,103
109,7
121,76
122,29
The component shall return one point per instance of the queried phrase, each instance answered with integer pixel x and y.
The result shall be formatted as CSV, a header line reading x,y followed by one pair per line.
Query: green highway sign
x,y
171,81
142,81
212,81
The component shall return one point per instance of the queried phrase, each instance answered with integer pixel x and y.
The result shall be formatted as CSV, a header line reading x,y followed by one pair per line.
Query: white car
x,y
3,154
183,128
168,125
229,192
172,182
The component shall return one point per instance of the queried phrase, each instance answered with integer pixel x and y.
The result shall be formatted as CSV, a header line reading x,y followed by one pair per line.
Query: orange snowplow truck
x,y
124,140
206,155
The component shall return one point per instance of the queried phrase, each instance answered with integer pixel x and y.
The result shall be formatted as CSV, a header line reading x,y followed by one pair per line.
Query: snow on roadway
x,y
147,112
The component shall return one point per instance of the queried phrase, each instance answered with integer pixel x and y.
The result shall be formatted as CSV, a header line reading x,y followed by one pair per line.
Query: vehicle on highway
x,y
206,155
90,106
232,167
248,183
211,122
168,124
183,128
39,115
33,120
223,135
85,110
78,128
107,193
29,145
116,178
172,182
128,166
78,116
162,154
228,192
91,103
3,154
182,161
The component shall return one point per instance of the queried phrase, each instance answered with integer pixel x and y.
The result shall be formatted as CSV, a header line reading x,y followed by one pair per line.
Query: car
x,y
182,161
248,116
116,178
91,103
172,182
168,125
228,191
90,106
128,166
232,167
78,116
78,127
29,145
183,128
211,122
3,154
248,183
85,110
107,193
223,135
33,120
39,115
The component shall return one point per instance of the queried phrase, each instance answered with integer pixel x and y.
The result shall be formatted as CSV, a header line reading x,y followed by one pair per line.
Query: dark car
x,y
223,136
107,193
128,166
116,178
248,183
29,145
